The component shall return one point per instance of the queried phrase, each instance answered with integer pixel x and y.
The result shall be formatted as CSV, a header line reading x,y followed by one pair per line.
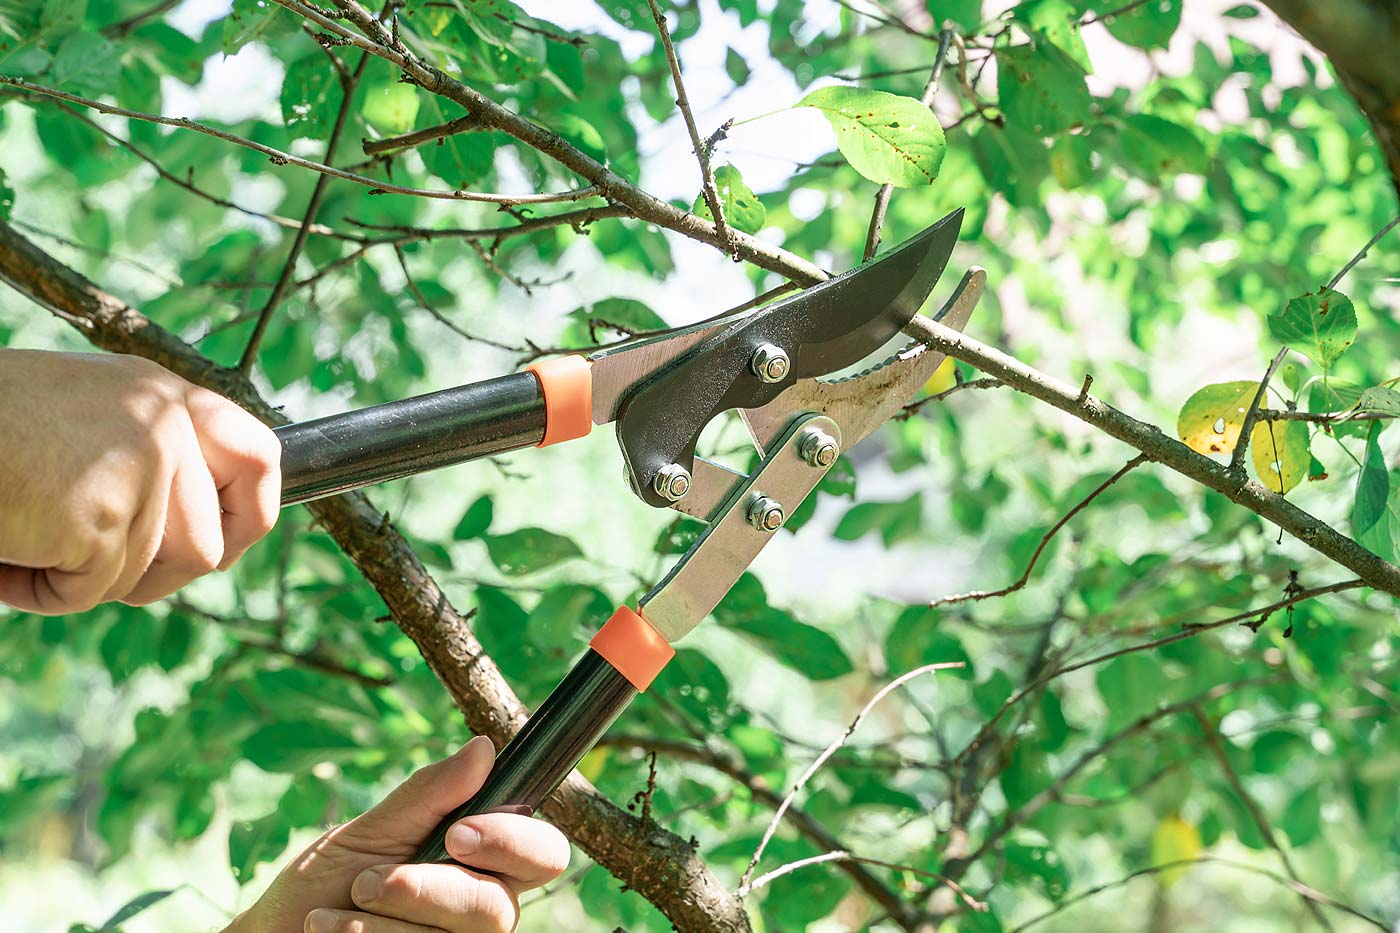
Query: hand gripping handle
x,y
566,725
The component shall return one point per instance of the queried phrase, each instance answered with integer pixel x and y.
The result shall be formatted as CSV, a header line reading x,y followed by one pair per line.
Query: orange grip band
x,y
632,646
567,383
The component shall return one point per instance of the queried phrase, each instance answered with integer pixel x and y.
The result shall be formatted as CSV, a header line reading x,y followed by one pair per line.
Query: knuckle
x,y
401,886
492,906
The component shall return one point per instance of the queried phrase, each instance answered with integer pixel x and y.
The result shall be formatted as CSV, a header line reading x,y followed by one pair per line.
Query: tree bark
x,y
655,863
1360,39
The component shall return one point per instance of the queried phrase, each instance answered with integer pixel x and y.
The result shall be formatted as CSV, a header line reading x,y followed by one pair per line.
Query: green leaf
x,y
1380,399
888,138
462,159
251,20
581,133
1319,325
1280,452
736,67
475,521
1211,420
917,639
1040,864
62,15
87,61
627,315
742,209
391,107
1041,89
174,644
138,904
291,745
1302,818
1071,160
894,521
1375,512
527,550
253,841
801,647
1146,25
1012,161
310,94
1160,148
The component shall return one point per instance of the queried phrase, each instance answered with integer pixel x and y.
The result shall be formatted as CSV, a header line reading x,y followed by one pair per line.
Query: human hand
x,y
353,880
122,481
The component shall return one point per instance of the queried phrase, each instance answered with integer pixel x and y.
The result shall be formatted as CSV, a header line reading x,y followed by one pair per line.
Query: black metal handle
x,y
373,445
546,749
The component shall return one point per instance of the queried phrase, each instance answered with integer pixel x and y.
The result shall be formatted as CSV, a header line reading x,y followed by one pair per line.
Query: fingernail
x,y
367,886
463,840
321,921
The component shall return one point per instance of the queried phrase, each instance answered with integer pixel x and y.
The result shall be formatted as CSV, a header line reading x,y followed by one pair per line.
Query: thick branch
x,y
660,866
1312,531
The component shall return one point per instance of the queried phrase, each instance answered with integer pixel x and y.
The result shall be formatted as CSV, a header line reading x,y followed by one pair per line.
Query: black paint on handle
x,y
546,749
373,445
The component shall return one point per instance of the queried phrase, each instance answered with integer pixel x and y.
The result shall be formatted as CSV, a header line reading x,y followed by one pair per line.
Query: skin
x,y
121,481
354,880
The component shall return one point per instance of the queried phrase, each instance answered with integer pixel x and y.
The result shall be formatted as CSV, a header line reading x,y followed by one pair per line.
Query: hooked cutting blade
x,y
866,400
820,330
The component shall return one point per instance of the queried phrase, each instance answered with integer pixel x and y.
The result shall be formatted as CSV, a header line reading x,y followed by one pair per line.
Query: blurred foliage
x,y
1139,223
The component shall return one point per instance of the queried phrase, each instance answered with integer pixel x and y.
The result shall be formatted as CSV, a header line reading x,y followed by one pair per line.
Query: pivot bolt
x,y
671,482
770,363
766,514
818,448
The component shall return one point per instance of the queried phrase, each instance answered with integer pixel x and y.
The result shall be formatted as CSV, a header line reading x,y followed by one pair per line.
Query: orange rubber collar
x,y
567,384
630,644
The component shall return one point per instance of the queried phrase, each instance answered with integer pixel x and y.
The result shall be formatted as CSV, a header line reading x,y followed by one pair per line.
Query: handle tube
x,y
359,448
542,753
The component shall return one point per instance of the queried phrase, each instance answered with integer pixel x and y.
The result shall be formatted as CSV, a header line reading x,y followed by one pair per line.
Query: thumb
x,y
417,805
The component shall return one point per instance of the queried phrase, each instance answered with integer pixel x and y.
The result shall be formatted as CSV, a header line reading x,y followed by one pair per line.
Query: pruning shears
x,y
776,365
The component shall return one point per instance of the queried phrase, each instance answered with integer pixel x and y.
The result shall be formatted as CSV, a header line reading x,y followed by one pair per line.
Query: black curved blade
x,y
823,329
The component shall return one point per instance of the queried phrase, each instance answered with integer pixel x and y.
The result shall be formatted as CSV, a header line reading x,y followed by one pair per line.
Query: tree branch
x,y
463,124
899,910
830,750
1312,531
278,157
1252,807
1302,889
702,151
660,866
1123,471
279,290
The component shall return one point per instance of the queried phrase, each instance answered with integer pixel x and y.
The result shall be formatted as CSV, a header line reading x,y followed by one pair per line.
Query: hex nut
x,y
671,482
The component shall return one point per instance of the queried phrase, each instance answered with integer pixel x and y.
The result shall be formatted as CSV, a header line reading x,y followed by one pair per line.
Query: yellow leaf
x,y
1211,420
1174,840
593,763
943,378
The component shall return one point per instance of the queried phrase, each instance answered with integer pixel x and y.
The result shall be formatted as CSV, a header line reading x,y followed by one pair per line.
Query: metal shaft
x,y
551,743
372,445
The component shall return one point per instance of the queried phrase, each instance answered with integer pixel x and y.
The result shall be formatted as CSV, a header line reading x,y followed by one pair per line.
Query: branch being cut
x,y
1267,504
657,864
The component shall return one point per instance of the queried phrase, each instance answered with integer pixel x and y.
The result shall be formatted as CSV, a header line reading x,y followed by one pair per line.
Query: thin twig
x,y
1252,414
1341,274
702,152
463,124
830,750
1302,889
279,157
1045,540
348,84
882,197
843,856
1251,807
1187,631
120,29
1107,16
986,382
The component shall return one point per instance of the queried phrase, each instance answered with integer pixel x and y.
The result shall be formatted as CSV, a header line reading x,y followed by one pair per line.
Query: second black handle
x,y
546,749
